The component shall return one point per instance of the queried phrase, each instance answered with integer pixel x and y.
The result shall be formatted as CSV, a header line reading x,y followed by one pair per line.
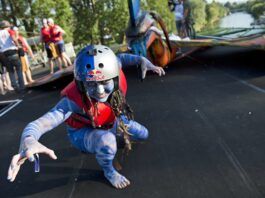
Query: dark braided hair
x,y
121,107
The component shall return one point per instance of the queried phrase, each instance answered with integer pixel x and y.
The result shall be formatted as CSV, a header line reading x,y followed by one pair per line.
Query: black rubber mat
x,y
206,122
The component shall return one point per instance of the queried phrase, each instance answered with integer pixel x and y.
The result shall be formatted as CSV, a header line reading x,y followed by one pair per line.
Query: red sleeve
x,y
11,32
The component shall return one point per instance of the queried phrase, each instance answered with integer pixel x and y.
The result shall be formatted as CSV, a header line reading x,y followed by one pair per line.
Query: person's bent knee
x,y
145,133
108,142
138,131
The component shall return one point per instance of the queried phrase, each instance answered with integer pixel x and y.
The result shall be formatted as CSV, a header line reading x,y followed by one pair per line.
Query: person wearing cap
x,y
56,33
9,49
95,110
49,46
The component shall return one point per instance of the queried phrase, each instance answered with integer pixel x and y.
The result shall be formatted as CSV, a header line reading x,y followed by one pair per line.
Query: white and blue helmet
x,y
96,63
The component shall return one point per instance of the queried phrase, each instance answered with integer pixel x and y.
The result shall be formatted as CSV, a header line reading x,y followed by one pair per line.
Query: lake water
x,y
237,20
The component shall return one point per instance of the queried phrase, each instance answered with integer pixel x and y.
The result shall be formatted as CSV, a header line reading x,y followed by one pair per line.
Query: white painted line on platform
x,y
243,82
241,171
243,175
248,84
9,107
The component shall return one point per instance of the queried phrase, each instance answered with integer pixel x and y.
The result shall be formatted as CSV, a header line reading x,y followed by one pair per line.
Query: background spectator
x,y
23,54
56,33
9,49
49,46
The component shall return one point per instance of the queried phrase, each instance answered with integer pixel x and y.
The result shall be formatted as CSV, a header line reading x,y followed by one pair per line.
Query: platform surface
x,y
206,121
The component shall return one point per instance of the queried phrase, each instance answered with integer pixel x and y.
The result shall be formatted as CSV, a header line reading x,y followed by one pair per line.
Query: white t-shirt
x,y
179,12
6,42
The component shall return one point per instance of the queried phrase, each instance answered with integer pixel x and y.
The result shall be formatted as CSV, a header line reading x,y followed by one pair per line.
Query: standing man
x,y
176,6
183,15
179,16
187,21
23,54
49,46
56,33
9,48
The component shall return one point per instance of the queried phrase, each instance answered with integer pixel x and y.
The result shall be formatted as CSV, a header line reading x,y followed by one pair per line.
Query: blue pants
x,y
103,143
11,62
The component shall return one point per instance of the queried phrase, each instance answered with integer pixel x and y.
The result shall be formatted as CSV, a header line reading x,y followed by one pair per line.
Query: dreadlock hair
x,y
119,106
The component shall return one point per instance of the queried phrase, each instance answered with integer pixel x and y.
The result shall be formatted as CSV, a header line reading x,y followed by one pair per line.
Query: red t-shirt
x,y
21,40
46,36
56,34
11,32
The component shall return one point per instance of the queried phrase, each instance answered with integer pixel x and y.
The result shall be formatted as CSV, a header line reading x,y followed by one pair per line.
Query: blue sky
x,y
224,1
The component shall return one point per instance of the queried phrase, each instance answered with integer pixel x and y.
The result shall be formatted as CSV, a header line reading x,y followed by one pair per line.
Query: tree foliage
x,y
161,7
198,8
59,10
214,12
256,7
98,21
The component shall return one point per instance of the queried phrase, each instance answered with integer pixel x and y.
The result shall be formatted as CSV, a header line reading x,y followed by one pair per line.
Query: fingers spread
x,y
13,168
39,148
162,71
158,71
30,155
14,173
50,153
144,73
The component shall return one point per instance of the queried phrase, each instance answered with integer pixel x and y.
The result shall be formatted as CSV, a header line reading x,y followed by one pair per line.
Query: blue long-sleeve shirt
x,y
65,107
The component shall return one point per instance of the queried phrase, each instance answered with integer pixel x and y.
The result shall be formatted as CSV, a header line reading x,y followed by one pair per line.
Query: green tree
x,y
18,12
215,11
59,10
198,8
99,18
258,9
161,7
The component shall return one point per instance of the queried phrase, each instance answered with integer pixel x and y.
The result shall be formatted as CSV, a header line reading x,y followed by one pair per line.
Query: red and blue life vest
x,y
103,114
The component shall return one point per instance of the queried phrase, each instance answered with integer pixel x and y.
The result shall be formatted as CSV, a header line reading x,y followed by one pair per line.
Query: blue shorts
x,y
48,51
60,46
85,139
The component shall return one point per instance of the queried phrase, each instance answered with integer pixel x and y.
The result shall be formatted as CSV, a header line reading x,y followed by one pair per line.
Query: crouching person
x,y
94,109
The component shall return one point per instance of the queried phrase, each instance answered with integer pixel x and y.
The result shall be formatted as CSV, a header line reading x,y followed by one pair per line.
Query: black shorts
x,y
12,60
48,51
4,60
179,26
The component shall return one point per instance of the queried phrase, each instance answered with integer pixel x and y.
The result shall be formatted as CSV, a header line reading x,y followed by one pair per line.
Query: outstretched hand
x,y
147,66
30,147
